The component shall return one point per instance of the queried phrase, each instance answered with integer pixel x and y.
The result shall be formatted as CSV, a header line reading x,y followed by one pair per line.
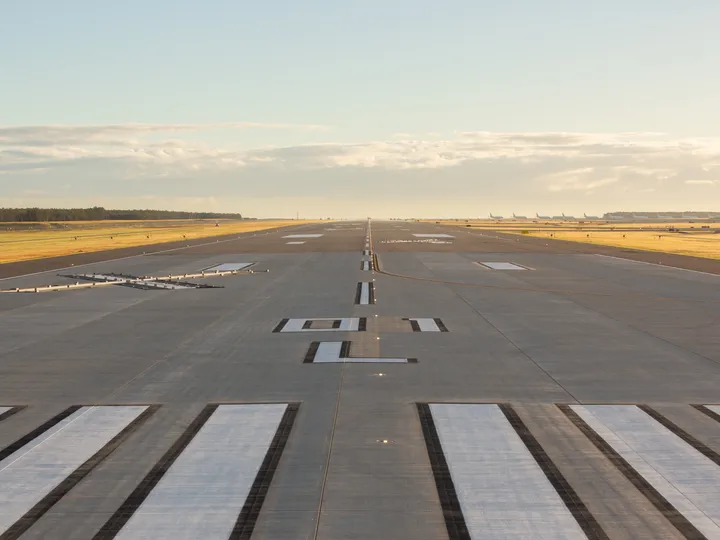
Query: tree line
x,y
98,213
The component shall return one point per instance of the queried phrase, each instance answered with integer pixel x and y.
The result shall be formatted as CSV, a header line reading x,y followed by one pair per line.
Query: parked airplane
x,y
495,217
568,218
590,217
559,218
541,217
636,216
615,217
518,217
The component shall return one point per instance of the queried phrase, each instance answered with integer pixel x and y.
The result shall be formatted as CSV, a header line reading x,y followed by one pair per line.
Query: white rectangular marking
x,y
303,236
502,266
502,491
203,492
433,235
346,325
366,265
33,471
713,408
4,409
227,267
364,294
329,353
294,243
687,479
427,325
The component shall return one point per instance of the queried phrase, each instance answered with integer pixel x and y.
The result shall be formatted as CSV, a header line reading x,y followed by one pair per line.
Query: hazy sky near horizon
x,y
347,109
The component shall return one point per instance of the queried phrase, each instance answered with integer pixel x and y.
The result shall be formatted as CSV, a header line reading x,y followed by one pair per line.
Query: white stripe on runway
x,y
294,243
303,236
33,471
364,294
713,408
225,267
427,325
502,266
203,492
503,493
687,479
366,265
351,324
329,352
4,409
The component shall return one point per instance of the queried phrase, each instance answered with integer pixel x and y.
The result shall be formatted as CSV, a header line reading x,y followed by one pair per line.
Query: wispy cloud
x,y
151,159
123,135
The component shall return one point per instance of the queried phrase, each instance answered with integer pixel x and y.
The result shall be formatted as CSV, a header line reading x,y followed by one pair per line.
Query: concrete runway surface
x,y
364,380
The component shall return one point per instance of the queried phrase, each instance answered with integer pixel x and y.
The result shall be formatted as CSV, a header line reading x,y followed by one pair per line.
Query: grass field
x,y
67,238
692,239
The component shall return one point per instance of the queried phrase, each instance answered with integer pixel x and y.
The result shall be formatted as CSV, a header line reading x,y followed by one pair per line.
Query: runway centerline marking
x,y
365,293
303,236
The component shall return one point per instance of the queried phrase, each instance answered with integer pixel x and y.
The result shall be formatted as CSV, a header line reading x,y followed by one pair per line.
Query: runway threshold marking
x,y
713,411
6,412
365,293
674,471
495,480
40,468
324,324
212,483
338,352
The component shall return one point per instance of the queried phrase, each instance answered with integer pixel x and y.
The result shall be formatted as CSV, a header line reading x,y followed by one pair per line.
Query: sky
x,y
391,108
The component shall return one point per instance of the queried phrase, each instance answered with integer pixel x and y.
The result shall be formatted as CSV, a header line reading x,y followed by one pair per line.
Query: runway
x,y
363,380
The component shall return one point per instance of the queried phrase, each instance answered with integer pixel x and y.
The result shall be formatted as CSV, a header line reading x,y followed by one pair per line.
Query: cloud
x,y
123,135
464,168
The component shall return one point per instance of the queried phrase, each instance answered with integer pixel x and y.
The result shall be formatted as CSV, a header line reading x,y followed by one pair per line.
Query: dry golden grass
x,y
698,245
696,242
572,225
84,237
